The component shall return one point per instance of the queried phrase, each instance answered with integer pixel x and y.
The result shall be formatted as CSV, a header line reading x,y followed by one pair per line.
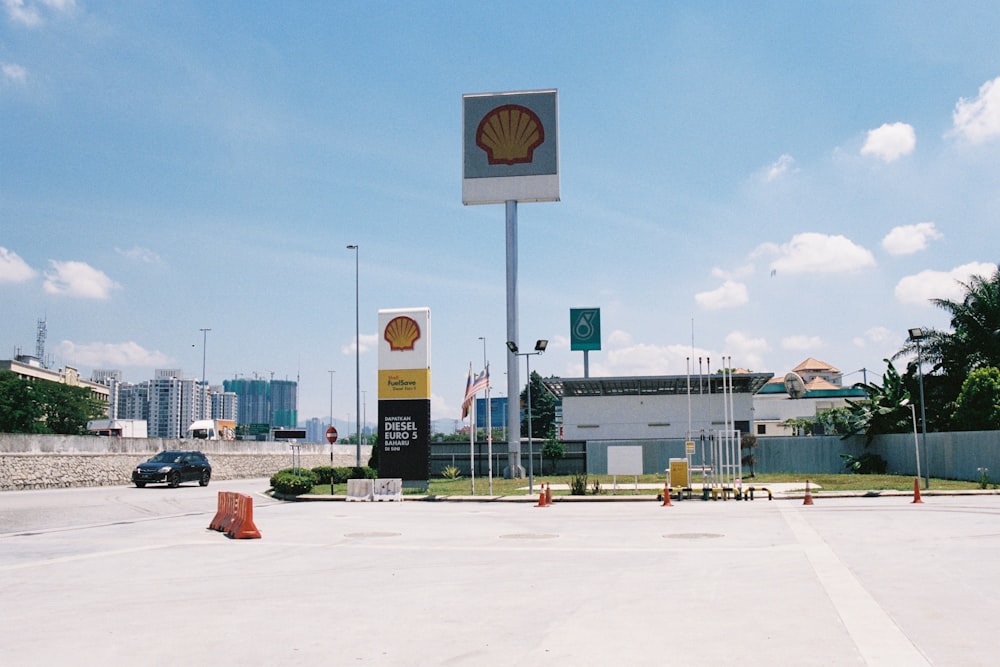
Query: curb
x,y
888,493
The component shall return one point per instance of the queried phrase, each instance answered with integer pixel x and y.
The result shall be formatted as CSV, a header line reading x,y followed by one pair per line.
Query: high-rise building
x,y
265,402
174,403
284,408
225,404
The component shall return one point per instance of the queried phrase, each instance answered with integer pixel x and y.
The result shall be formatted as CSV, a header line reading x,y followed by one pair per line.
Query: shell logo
x,y
401,333
510,134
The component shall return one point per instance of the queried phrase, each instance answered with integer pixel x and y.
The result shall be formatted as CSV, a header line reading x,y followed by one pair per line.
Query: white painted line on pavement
x,y
879,640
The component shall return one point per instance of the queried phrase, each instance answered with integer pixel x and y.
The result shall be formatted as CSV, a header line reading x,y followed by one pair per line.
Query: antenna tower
x,y
40,343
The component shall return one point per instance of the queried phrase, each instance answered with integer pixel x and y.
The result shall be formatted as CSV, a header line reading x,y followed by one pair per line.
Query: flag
x,y
468,392
473,385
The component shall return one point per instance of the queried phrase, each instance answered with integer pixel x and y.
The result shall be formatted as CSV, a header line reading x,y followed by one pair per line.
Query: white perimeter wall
x,y
644,417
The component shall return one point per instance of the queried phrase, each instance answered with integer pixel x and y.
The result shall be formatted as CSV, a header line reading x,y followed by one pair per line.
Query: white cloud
x,y
78,279
747,352
729,295
14,73
13,269
812,252
143,255
801,343
736,272
29,12
782,166
619,338
112,355
978,120
908,239
929,284
890,142
623,357
368,341
879,334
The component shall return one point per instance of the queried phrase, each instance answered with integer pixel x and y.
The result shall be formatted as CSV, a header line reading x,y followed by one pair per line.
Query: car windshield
x,y
166,457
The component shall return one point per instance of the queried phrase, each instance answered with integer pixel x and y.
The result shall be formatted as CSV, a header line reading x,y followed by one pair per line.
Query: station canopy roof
x,y
655,385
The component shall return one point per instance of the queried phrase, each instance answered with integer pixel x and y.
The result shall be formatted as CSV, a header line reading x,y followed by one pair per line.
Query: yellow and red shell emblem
x,y
510,134
401,333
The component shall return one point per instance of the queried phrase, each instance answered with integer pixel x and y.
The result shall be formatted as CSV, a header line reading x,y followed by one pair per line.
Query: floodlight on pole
x,y
540,346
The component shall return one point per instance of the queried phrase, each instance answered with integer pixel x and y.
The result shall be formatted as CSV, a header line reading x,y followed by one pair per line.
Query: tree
x,y
799,425
978,405
884,410
835,421
975,320
19,412
553,450
543,410
973,343
42,406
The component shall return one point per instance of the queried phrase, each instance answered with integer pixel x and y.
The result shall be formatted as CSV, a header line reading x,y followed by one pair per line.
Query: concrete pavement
x,y
876,581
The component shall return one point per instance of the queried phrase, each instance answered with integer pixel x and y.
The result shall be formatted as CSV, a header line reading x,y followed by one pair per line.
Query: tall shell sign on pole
x,y
510,147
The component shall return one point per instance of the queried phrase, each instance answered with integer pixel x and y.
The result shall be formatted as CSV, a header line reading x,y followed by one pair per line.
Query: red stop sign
x,y
331,435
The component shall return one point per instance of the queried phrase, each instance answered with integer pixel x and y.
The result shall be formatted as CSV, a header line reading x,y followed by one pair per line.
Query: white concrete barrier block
x,y
360,489
389,489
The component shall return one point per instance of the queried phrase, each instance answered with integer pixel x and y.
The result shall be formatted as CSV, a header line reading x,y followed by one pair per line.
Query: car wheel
x,y
175,479
140,484
205,476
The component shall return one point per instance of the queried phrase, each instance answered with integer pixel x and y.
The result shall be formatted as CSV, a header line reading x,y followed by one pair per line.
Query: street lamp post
x,y
916,447
357,352
204,343
917,335
540,346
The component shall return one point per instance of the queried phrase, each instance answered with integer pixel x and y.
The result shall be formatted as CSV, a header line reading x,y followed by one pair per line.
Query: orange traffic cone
x,y
548,495
916,492
541,497
666,496
809,496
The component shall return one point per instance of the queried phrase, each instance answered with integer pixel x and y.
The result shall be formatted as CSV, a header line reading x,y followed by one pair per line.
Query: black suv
x,y
173,467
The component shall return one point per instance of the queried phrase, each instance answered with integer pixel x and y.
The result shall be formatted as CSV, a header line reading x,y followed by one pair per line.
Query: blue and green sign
x,y
585,328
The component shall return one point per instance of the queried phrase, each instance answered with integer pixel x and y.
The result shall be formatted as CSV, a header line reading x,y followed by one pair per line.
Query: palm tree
x,y
973,343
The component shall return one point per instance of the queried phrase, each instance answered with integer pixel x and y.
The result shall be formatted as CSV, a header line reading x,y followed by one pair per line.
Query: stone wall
x,y
51,461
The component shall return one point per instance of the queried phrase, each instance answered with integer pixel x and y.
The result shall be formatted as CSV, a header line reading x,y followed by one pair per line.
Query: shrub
x,y
866,464
578,484
324,474
341,474
451,472
293,471
293,481
364,472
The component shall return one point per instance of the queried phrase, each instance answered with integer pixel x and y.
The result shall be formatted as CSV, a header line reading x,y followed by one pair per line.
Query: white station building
x,y
655,407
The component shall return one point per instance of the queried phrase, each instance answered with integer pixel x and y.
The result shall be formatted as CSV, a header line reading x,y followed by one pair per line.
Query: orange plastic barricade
x,y
235,516
220,513
243,527
230,517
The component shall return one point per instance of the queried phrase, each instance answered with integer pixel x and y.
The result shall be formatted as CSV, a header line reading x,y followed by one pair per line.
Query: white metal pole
x,y
513,381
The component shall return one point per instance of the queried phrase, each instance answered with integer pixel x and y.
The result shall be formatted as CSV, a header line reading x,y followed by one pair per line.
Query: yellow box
x,y
679,473
406,383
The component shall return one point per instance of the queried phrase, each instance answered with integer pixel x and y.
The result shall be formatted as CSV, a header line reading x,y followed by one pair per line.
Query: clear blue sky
x,y
783,179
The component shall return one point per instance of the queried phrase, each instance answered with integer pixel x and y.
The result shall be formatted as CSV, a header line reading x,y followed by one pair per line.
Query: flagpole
x,y
472,444
489,430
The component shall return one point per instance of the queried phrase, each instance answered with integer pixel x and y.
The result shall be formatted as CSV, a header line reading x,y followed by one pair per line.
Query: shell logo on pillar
x,y
402,333
510,134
